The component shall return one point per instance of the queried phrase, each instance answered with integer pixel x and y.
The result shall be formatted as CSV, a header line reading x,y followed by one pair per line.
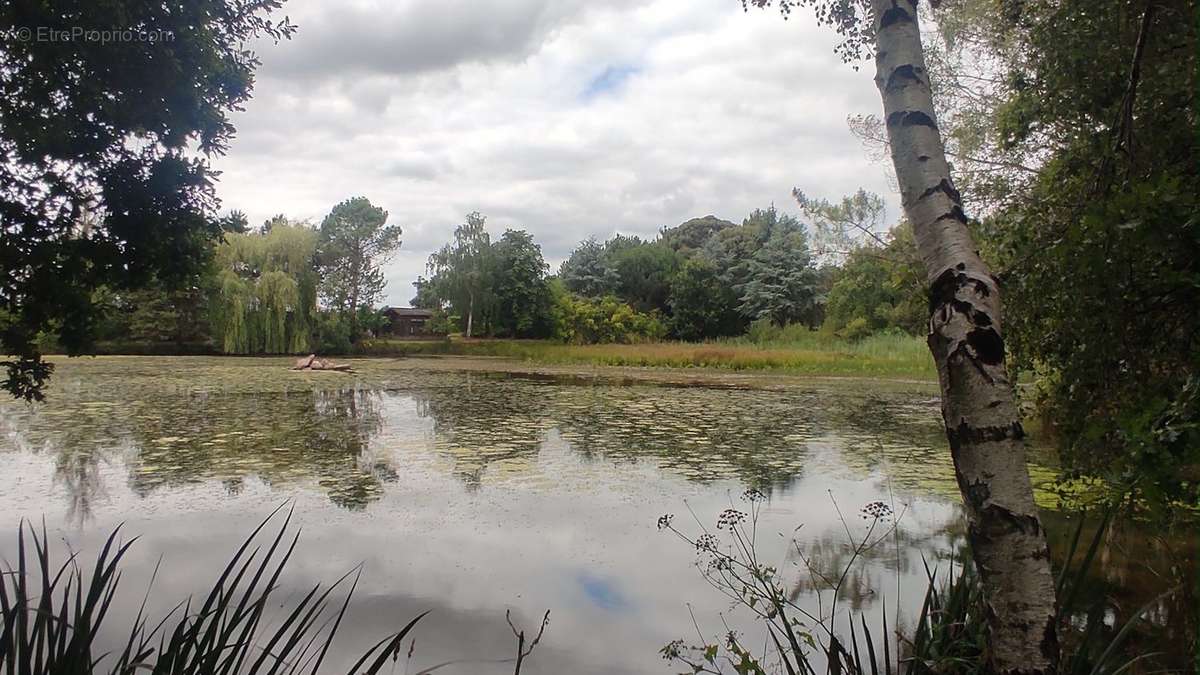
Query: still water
x,y
471,493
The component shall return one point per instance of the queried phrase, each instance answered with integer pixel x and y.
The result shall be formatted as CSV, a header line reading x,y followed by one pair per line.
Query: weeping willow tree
x,y
267,290
230,312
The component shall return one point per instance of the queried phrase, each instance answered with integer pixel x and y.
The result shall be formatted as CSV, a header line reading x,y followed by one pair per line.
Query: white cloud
x,y
563,117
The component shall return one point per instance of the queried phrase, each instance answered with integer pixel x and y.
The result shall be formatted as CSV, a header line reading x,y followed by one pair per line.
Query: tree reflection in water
x,y
278,437
764,438
487,427
236,421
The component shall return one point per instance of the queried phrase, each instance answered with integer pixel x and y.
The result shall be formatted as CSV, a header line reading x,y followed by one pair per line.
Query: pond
x,y
472,493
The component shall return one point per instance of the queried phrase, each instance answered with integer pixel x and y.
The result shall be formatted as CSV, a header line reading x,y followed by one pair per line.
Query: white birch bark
x,y
980,414
470,313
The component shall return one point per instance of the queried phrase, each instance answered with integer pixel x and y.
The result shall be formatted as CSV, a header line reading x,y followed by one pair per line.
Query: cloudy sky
x,y
567,118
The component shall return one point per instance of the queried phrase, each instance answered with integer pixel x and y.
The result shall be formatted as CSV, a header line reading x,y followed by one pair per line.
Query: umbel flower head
x,y
877,509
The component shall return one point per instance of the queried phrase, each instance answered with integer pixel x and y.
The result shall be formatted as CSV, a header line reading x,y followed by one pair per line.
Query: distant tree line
x,y
287,287
705,278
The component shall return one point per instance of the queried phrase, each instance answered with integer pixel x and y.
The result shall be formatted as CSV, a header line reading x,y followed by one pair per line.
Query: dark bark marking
x,y
977,317
945,187
976,494
1001,521
987,344
893,16
982,347
965,352
902,75
966,434
1049,643
944,290
955,213
910,118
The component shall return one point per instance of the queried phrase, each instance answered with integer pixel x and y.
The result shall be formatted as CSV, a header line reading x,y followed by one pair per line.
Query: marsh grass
x,y
792,351
51,616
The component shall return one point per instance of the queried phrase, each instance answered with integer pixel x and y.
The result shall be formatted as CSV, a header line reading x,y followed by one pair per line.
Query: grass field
x,y
794,350
808,353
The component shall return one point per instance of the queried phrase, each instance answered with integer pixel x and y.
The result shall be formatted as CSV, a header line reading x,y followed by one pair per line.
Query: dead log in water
x,y
312,362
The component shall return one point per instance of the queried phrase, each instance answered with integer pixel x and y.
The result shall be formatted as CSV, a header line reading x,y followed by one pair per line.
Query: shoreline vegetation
x,y
800,353
233,631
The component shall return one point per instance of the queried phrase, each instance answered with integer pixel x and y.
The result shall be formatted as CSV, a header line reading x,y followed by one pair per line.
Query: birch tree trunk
x,y
982,424
355,284
470,313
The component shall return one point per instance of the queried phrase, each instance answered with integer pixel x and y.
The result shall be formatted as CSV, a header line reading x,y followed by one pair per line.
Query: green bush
x,y
580,320
763,330
442,323
881,286
856,329
332,334
402,347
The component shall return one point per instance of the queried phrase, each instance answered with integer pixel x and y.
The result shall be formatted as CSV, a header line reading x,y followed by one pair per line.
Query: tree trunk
x,y
355,284
470,313
978,407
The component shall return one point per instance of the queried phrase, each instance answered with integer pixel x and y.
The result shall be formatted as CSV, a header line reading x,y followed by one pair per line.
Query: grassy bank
x,y
810,354
794,352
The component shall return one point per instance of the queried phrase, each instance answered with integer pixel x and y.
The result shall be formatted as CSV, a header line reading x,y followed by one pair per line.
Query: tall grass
x,y
801,352
792,349
50,617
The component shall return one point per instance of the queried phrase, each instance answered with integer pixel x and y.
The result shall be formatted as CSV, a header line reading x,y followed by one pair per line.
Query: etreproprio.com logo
x,y
103,36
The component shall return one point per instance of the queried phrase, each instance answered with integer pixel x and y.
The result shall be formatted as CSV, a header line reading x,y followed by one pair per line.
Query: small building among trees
x,y
408,322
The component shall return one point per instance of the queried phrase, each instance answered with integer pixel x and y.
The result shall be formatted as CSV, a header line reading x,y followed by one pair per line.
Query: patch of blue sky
x,y
610,80
603,593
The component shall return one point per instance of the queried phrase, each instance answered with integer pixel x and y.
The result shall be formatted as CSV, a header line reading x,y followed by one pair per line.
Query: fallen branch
x,y
312,362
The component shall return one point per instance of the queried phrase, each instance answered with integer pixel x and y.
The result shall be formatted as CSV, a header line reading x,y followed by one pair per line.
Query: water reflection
x,y
472,493
1138,568
760,437
79,473
481,422
278,437
347,439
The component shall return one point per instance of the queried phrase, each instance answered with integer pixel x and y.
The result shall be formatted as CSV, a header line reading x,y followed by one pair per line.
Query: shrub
x,y
580,320
332,334
762,331
855,330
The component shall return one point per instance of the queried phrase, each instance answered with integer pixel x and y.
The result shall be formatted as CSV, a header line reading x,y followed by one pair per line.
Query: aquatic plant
x,y
51,617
